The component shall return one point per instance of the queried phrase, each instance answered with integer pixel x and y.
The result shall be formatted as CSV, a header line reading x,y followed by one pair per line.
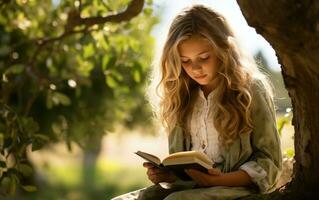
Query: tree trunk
x,y
292,28
89,175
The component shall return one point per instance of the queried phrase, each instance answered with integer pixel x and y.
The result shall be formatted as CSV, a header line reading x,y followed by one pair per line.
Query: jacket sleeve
x,y
265,164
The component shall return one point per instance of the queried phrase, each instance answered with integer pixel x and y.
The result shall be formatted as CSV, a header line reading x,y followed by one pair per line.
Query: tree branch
x,y
133,9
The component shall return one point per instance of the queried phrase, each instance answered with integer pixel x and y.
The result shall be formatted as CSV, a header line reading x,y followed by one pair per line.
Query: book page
x,y
189,154
187,161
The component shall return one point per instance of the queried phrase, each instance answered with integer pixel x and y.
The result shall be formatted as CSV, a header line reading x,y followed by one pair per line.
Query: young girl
x,y
214,100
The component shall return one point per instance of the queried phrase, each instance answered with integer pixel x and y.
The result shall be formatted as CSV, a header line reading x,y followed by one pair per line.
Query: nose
x,y
195,66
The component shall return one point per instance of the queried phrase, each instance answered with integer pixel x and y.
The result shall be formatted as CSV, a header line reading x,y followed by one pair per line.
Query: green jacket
x,y
262,146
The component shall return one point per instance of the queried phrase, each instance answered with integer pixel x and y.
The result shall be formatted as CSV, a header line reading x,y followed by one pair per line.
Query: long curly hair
x,y
236,73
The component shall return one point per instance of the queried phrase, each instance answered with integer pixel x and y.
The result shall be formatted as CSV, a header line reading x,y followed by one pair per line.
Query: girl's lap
x,y
156,192
211,193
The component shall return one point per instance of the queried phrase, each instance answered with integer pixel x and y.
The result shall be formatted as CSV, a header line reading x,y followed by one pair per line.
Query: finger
x,y
214,171
151,172
155,178
148,165
163,177
157,172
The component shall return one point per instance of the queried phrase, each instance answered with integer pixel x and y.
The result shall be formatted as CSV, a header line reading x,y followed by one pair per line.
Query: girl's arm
x,y
216,178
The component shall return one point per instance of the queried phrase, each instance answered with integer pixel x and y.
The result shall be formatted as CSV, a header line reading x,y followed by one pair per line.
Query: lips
x,y
200,77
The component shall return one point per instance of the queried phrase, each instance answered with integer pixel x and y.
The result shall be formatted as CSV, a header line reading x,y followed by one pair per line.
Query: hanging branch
x,y
74,19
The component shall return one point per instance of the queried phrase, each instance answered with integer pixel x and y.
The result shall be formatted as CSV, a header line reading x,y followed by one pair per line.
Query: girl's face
x,y
199,61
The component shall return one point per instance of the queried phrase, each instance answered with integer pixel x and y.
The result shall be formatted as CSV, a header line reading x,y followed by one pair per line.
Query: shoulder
x,y
259,86
261,91
261,99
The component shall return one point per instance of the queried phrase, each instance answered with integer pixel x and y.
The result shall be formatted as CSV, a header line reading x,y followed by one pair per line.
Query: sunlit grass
x,y
112,177
125,178
67,175
66,183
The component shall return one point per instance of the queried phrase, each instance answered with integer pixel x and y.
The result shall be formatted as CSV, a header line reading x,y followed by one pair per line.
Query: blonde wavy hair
x,y
236,72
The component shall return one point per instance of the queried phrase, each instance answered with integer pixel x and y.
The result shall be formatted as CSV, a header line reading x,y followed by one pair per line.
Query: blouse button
x,y
203,146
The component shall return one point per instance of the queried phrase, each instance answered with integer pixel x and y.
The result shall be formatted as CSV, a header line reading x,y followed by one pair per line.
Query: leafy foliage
x,y
74,86
16,133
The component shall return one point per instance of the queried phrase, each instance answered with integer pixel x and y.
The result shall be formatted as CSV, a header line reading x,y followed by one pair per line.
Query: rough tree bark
x,y
292,28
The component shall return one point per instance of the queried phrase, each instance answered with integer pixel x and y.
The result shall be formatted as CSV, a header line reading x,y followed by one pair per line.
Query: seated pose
x,y
213,99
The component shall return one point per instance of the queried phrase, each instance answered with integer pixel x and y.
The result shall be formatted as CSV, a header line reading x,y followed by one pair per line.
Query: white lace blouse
x,y
203,133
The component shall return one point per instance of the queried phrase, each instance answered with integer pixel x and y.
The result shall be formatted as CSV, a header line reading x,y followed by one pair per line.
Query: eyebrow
x,y
198,53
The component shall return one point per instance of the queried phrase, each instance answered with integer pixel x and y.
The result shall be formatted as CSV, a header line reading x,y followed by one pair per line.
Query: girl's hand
x,y
203,179
157,175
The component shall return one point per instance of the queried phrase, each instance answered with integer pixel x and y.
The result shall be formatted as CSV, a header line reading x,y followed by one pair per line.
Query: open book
x,y
178,162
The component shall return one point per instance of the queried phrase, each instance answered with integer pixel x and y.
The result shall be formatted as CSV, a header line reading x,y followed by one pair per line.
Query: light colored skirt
x,y
186,192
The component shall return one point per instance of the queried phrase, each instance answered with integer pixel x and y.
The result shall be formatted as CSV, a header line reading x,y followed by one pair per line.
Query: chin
x,y
202,82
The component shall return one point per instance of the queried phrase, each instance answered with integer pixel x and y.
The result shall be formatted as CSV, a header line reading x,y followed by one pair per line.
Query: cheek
x,y
211,67
187,70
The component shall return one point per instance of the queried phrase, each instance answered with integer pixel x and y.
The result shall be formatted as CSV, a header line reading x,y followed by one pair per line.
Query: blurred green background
x,y
73,107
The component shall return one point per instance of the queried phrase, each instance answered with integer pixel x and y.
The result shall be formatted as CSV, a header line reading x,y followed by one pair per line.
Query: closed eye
x,y
204,58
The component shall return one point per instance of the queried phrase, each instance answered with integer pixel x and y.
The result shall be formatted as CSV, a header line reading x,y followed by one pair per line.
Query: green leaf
x,y
12,186
281,122
290,153
88,51
30,125
148,11
60,98
111,82
105,61
15,69
149,2
39,141
5,183
49,102
29,188
25,169
85,67
137,76
103,42
117,75
1,140
42,137
56,128
111,62
3,164
36,145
